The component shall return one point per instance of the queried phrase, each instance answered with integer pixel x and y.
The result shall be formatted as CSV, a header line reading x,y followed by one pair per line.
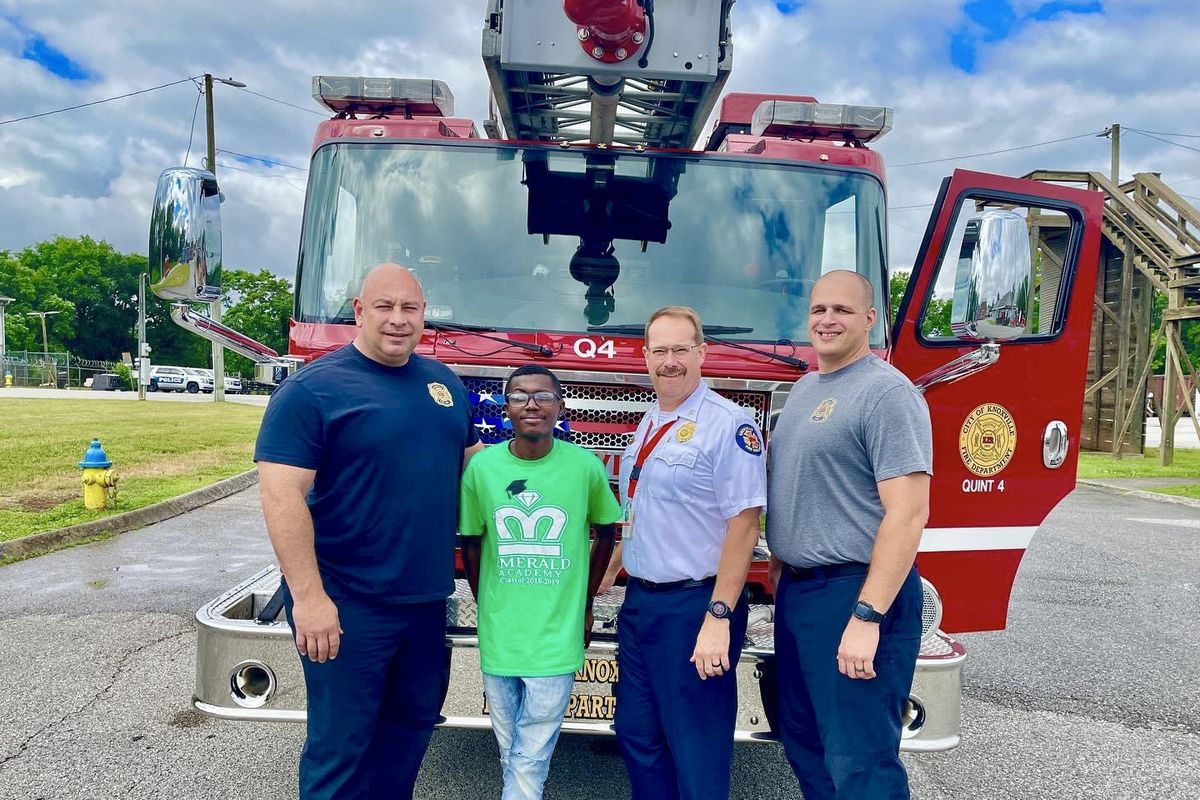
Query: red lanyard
x,y
648,445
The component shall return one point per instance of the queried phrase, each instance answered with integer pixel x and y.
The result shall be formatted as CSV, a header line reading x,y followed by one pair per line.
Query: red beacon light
x,y
796,120
409,97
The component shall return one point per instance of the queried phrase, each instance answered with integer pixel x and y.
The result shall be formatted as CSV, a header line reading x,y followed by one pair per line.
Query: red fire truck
x,y
593,196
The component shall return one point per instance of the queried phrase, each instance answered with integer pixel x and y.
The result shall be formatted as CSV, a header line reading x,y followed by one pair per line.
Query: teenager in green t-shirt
x,y
525,514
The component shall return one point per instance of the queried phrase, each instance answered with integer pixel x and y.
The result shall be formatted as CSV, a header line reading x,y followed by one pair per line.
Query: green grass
x,y
1179,491
159,450
1103,465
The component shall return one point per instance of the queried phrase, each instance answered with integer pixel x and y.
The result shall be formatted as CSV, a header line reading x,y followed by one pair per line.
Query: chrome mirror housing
x,y
185,236
993,282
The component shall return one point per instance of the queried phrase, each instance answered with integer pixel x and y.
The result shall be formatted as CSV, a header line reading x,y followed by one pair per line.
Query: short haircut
x,y
680,312
864,283
533,369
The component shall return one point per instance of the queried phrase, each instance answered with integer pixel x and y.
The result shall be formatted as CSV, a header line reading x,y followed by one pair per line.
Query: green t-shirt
x,y
535,518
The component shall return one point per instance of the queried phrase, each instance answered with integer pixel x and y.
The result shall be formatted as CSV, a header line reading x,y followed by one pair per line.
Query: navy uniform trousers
x,y
371,710
675,731
842,736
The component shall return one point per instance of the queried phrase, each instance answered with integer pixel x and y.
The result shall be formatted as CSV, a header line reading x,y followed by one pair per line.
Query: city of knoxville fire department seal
x,y
686,431
987,439
441,395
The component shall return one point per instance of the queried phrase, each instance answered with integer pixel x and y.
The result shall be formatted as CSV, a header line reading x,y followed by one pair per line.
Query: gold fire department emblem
x,y
824,411
686,431
441,395
987,439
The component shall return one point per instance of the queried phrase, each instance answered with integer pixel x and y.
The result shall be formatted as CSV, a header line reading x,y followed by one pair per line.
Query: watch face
x,y
718,609
864,611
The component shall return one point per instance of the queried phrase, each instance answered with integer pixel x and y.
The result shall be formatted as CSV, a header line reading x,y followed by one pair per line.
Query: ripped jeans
x,y
527,715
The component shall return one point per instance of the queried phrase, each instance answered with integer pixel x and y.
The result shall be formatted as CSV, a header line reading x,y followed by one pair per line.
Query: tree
x,y
258,305
1189,334
936,321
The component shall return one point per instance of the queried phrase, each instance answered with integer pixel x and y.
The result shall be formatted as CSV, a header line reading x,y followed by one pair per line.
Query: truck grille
x,y
599,416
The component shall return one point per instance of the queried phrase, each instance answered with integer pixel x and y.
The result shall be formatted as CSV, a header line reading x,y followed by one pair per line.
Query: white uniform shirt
x,y
708,468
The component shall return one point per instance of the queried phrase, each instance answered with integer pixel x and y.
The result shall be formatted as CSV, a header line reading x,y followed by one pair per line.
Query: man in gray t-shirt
x,y
851,460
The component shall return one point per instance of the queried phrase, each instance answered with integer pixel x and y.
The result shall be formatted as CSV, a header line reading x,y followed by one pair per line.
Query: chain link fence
x,y
57,370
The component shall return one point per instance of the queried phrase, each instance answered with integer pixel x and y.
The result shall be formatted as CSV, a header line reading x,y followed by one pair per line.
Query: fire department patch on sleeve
x,y
987,439
441,395
747,439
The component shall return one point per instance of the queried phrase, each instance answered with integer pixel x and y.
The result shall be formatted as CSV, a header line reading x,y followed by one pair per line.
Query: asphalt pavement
x,y
1090,692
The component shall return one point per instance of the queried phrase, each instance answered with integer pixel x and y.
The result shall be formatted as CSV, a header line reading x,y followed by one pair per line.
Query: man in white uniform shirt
x,y
694,486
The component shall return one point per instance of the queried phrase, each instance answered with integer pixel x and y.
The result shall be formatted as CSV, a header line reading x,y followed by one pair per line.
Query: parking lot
x,y
1091,692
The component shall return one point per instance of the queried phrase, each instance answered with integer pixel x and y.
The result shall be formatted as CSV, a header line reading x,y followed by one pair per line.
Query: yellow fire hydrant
x,y
98,477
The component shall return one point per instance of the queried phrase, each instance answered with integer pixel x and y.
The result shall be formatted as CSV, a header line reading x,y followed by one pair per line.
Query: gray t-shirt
x,y
839,435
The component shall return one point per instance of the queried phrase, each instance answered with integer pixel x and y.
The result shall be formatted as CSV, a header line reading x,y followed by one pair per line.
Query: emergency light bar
x,y
420,96
821,121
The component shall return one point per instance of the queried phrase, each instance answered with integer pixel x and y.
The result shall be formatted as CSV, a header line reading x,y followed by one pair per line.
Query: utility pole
x,y
4,301
46,347
143,376
214,308
1114,132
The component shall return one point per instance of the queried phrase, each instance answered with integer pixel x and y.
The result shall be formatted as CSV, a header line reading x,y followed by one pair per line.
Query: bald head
x,y
840,318
386,277
390,314
855,281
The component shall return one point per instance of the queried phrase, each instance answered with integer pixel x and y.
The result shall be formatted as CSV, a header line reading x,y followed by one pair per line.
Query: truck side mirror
x,y
993,281
185,236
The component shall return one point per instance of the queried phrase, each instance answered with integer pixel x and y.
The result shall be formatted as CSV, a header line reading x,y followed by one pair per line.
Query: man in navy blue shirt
x,y
359,459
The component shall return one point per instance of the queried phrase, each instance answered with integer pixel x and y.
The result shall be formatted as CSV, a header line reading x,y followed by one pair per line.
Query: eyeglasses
x,y
542,398
680,351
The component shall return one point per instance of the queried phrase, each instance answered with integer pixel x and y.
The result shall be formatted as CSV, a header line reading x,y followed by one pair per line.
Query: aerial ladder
x,y
605,71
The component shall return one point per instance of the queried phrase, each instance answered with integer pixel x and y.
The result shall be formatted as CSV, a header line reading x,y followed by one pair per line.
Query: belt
x,y
670,586
826,571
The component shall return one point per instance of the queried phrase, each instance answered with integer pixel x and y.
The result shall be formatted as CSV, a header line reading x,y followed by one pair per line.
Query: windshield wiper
x,y
795,362
479,330
634,329
438,325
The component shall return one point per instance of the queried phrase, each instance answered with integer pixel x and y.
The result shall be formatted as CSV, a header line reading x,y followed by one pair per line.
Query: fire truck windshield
x,y
543,238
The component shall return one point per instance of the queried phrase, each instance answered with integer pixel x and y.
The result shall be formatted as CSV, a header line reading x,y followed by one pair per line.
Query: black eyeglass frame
x,y
553,397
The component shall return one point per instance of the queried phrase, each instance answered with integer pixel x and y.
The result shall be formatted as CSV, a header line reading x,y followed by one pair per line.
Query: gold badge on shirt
x,y
686,431
823,411
441,395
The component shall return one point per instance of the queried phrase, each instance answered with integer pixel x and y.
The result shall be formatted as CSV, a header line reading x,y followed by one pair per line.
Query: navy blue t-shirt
x,y
387,445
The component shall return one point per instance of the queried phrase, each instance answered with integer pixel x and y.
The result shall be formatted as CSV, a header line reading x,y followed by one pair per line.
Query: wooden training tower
x,y
1151,244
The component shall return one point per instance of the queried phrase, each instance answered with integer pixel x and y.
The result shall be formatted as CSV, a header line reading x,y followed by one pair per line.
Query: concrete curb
x,y
119,523
1162,498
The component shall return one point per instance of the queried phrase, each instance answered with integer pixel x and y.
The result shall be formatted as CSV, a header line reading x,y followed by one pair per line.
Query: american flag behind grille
x,y
599,416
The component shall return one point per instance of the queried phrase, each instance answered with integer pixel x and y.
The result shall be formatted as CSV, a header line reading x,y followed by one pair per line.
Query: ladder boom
x,y
606,71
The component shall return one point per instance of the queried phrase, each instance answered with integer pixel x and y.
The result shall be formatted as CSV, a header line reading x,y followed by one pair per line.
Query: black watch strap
x,y
866,612
719,609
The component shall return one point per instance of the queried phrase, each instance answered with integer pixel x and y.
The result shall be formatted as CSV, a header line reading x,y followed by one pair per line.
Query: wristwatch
x,y
866,612
719,609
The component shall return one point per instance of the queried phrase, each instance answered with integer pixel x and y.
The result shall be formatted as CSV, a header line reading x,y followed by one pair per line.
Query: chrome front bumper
x,y
250,671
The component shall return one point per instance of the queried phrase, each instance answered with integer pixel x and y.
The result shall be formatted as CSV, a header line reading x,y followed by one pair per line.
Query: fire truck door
x,y
995,327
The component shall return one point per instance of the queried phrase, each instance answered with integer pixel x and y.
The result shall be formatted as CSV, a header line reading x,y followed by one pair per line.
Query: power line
x,y
1163,133
995,152
1164,141
187,155
254,174
262,160
284,103
98,102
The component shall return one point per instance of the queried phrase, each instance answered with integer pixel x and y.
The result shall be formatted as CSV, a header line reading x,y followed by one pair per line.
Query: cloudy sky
x,y
963,77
